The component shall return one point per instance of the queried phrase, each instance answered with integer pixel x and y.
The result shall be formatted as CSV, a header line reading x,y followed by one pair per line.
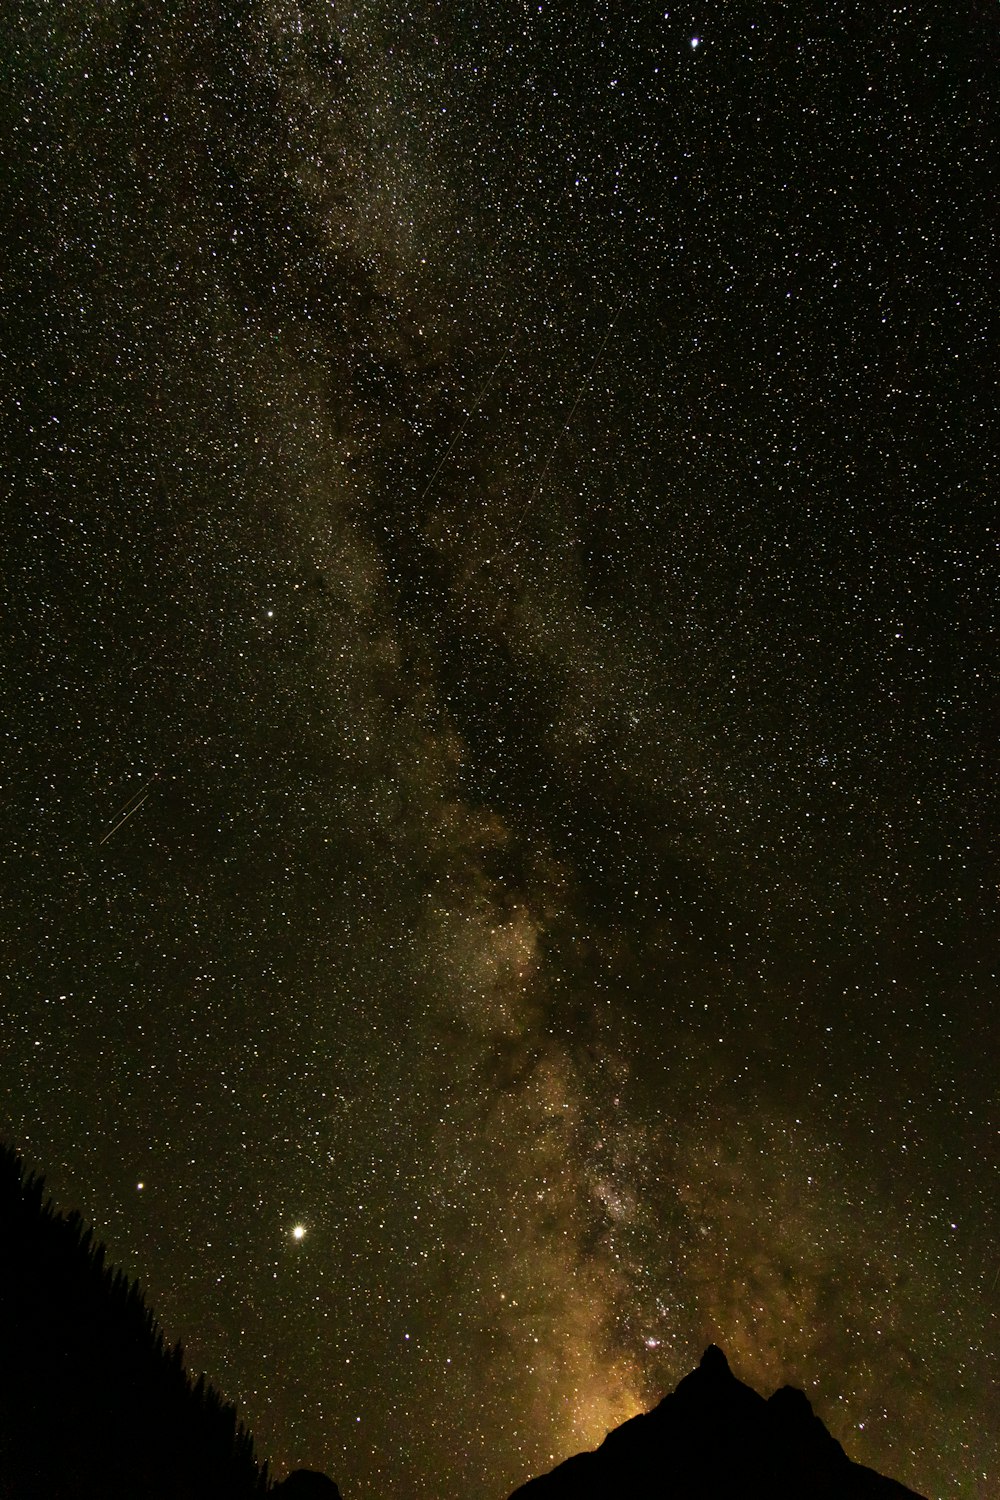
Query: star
x,y
591,864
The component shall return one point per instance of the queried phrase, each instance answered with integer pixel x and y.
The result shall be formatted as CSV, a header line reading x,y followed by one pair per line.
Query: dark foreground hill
x,y
717,1439
94,1405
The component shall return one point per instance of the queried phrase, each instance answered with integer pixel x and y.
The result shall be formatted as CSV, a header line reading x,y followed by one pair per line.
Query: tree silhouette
x,y
93,1401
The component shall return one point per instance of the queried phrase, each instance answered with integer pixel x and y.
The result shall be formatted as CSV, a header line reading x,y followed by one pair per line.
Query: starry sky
x,y
495,712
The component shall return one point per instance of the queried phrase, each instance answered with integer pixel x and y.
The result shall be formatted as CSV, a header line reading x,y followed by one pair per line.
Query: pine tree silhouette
x,y
94,1405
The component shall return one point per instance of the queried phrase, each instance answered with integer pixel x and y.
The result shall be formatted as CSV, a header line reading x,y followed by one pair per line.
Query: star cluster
x,y
496,724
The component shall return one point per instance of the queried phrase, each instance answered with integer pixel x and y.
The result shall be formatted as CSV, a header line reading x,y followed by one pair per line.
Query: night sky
x,y
496,709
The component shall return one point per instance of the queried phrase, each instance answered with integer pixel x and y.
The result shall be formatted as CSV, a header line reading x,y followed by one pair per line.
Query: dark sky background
x,y
496,709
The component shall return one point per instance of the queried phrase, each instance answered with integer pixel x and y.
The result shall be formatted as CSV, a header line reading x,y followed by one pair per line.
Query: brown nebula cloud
x,y
547,888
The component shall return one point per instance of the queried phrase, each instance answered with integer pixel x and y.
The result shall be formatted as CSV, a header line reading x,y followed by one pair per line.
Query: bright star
x,y
299,1232
696,41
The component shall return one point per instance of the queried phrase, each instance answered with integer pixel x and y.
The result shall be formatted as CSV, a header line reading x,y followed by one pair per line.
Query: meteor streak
x,y
127,809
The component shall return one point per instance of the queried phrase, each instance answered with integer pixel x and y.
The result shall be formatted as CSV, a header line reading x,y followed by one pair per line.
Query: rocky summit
x,y
717,1439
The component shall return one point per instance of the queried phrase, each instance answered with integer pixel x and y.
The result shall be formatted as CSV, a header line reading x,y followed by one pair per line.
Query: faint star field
x,y
499,887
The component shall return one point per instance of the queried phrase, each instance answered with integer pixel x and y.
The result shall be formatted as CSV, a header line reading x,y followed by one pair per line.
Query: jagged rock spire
x,y
714,1362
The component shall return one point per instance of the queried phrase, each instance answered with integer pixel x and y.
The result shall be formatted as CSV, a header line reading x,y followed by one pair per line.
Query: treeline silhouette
x,y
93,1400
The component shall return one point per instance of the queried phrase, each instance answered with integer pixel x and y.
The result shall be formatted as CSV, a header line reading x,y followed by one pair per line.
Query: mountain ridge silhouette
x,y
96,1405
715,1438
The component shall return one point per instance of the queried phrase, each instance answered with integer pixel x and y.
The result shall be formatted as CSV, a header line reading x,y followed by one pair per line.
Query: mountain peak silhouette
x,y
98,1406
714,1362
717,1439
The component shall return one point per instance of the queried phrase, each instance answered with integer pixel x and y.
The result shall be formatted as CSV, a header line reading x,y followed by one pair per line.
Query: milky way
x,y
495,716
